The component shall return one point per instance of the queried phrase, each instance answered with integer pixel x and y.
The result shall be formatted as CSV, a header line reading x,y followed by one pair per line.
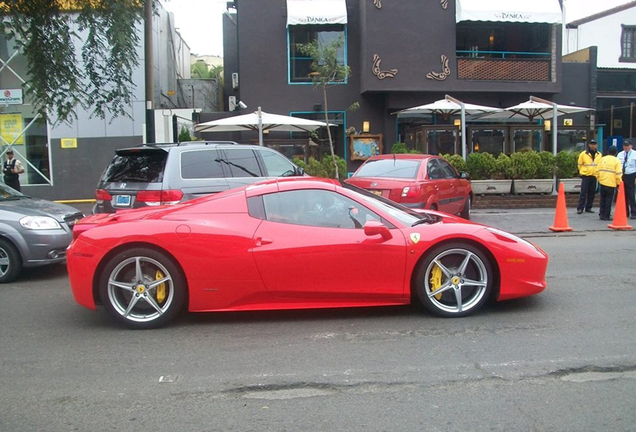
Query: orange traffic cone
x,y
561,215
620,212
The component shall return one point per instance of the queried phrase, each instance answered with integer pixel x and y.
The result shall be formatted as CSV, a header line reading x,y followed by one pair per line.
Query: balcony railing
x,y
503,65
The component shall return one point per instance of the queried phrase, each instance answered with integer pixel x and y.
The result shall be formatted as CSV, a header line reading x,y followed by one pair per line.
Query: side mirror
x,y
464,175
373,228
300,172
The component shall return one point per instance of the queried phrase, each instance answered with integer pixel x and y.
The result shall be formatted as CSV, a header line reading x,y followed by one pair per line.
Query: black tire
x,y
130,291
465,213
10,262
461,291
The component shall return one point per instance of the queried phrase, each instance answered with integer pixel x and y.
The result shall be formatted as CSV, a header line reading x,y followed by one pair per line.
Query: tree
x,y
327,70
43,31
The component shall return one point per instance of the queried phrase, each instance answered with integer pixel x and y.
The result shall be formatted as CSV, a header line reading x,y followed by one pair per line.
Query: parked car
x,y
33,232
233,251
416,181
158,174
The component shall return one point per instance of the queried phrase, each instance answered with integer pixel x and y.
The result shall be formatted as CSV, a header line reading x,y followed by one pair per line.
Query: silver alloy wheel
x,y
456,281
140,289
5,262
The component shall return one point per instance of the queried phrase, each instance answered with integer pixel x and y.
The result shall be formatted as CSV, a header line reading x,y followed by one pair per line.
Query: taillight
x,y
102,195
154,198
411,191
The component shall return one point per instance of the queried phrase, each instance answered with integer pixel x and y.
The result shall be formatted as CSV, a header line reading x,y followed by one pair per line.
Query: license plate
x,y
122,200
377,192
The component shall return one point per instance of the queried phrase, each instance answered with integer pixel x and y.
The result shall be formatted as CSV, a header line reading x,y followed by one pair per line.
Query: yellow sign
x,y
68,142
11,128
567,122
171,92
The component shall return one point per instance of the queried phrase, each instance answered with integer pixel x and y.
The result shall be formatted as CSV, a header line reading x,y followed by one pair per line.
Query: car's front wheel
x,y
10,262
142,288
454,280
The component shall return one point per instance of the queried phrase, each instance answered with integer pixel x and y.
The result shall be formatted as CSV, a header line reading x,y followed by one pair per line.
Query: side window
x,y
434,170
448,170
201,164
241,162
318,208
628,40
277,165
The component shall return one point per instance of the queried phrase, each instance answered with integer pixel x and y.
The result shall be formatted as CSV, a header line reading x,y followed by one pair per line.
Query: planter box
x,y
534,186
571,185
486,187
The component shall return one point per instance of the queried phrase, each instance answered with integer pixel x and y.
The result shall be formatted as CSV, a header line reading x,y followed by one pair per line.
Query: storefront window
x,y
527,139
488,141
441,141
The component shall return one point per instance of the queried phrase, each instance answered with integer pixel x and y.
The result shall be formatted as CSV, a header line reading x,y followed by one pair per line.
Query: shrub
x,y
567,164
457,161
323,168
547,166
503,167
481,166
400,147
525,164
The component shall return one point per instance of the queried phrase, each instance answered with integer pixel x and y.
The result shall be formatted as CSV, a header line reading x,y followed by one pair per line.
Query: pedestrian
x,y
588,165
610,172
12,168
628,160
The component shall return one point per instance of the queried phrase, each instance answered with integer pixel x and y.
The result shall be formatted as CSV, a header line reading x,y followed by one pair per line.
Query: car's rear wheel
x,y
10,262
466,210
454,280
142,288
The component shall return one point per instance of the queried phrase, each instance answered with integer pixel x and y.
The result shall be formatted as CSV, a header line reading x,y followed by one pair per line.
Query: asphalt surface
x,y
516,221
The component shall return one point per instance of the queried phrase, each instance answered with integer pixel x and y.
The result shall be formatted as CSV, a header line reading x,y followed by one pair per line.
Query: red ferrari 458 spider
x,y
293,244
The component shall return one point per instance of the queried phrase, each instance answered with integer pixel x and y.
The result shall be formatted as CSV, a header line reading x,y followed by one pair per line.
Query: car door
x,y
441,184
457,188
312,245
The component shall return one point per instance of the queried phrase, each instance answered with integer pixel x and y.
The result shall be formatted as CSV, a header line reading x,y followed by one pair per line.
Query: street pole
x,y
150,114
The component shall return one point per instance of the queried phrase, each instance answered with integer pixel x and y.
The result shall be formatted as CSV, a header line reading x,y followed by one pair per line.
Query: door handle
x,y
260,241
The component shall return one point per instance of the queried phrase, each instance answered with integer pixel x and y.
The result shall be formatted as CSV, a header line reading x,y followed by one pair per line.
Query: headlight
x,y
39,223
509,237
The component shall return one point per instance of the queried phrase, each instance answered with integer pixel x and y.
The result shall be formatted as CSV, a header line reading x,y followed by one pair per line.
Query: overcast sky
x,y
200,21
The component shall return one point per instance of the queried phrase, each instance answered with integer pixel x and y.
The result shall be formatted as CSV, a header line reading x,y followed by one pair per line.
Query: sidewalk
x,y
538,220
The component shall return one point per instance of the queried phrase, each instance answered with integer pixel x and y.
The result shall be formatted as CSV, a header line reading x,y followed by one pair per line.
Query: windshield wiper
x,y
425,220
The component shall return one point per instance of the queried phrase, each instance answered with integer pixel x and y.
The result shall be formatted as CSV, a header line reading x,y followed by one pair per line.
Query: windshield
x,y
389,168
404,214
8,193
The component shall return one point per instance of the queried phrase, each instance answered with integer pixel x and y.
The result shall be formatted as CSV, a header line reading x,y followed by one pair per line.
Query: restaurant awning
x,y
312,12
534,11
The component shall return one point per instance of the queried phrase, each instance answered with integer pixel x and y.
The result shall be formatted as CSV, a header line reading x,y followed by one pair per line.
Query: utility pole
x,y
148,64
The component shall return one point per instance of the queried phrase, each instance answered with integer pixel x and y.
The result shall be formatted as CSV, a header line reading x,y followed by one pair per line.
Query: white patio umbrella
x,y
260,121
536,108
447,107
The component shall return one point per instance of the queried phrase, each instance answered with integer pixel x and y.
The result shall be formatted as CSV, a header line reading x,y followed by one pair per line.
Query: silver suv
x,y
159,174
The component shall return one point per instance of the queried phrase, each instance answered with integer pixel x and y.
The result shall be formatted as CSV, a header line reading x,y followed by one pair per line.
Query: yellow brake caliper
x,y
436,280
161,289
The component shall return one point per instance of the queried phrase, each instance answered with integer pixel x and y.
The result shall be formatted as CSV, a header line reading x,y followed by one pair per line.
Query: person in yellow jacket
x,y
610,174
588,165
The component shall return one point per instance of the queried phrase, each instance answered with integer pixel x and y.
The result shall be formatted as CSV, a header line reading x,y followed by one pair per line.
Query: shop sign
x,y
10,96
11,128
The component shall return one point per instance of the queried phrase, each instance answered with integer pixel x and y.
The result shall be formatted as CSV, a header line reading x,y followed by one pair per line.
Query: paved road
x,y
564,360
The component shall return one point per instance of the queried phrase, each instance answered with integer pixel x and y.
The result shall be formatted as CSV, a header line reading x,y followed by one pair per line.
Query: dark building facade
x,y
403,54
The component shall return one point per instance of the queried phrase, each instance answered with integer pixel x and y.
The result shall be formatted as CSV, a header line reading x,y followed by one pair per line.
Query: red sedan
x,y
416,181
234,251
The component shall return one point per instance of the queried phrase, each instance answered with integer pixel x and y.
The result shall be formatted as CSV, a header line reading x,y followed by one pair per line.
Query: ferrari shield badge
x,y
415,237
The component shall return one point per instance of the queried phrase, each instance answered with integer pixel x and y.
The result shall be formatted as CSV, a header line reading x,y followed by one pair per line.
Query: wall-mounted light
x,y
366,126
491,38
476,147
457,122
547,125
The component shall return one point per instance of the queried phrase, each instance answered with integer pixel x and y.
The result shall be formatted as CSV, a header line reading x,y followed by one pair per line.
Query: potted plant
x,y
567,170
489,175
532,172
